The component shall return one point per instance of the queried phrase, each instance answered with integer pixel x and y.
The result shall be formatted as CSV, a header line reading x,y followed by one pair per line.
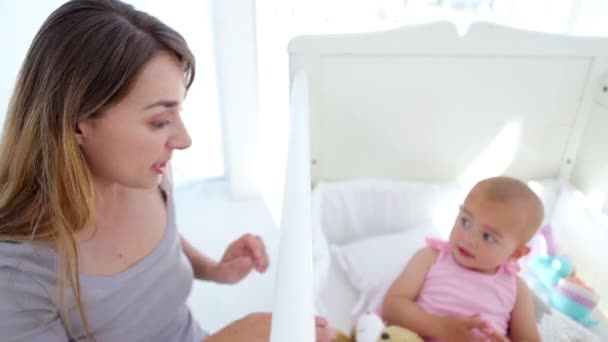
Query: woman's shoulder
x,y
26,260
28,289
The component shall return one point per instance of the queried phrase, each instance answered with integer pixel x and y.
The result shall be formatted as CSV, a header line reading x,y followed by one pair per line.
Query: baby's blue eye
x,y
465,222
487,237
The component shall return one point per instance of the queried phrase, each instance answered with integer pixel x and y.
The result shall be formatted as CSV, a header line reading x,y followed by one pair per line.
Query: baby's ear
x,y
520,251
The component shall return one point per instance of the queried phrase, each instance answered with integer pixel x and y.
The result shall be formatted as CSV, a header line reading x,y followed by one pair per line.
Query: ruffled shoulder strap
x,y
511,267
437,244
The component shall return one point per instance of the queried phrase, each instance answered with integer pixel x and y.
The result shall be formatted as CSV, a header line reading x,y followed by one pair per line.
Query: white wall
x,y
590,173
193,19
235,44
20,22
581,227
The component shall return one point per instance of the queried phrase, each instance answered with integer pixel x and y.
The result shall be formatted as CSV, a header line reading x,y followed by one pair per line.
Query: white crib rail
x,y
293,314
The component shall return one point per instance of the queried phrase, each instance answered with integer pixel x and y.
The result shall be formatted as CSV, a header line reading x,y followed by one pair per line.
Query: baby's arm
x,y
522,326
399,307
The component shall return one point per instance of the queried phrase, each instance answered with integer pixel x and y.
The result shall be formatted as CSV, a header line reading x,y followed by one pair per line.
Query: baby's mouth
x,y
465,253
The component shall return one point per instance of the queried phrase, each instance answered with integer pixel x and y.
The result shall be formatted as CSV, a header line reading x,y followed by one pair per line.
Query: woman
x,y
88,244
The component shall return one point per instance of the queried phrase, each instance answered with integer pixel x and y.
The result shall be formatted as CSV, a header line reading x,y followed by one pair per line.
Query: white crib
x,y
424,105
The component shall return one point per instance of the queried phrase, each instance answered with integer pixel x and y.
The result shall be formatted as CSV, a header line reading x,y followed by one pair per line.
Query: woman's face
x,y
132,142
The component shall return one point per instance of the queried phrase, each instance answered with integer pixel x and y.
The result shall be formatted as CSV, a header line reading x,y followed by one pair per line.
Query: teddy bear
x,y
370,328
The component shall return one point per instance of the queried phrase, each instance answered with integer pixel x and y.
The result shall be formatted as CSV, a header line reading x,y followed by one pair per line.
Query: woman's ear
x,y
80,128
520,251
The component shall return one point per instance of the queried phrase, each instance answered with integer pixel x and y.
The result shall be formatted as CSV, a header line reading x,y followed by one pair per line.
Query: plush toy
x,y
550,269
567,293
574,298
541,244
370,328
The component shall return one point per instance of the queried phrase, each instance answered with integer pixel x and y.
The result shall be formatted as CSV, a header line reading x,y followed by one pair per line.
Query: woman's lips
x,y
160,167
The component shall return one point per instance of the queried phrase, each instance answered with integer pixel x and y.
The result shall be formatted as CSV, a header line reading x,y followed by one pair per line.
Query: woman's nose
x,y
180,140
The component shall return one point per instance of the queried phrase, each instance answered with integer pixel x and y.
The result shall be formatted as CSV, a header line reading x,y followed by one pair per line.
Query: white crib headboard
x,y
423,103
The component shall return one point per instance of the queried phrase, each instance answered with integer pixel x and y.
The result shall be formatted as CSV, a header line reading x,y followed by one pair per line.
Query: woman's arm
x,y
255,327
241,257
202,265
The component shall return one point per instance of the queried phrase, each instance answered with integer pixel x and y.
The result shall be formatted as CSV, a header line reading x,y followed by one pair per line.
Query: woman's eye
x,y
465,222
487,237
161,124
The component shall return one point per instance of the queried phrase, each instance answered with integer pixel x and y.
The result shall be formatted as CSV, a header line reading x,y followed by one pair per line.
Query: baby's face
x,y
485,234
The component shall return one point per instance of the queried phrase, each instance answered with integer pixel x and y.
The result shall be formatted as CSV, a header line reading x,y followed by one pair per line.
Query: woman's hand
x,y
255,327
241,256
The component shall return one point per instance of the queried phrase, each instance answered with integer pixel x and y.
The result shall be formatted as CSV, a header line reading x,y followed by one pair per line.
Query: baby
x,y
467,289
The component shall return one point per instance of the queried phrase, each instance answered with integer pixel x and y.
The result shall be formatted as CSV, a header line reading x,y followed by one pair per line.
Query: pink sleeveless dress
x,y
452,290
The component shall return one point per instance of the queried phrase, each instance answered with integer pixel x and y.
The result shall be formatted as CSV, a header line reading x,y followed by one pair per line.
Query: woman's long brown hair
x,y
85,58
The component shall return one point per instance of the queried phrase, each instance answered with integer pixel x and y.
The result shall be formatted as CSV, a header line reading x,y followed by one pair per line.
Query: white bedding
x,y
336,298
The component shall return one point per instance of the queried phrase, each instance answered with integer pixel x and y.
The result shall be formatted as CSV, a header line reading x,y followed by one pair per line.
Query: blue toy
x,y
549,270
568,294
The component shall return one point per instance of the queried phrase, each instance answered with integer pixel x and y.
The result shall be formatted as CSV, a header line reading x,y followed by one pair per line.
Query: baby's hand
x,y
490,335
493,336
458,329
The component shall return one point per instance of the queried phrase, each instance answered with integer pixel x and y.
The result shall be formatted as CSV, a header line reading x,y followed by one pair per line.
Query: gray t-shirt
x,y
146,302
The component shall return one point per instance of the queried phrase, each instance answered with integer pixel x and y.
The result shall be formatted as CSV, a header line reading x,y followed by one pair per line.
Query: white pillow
x,y
372,264
353,210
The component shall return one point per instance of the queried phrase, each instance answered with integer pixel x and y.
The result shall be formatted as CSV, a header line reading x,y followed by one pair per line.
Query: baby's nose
x,y
471,241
